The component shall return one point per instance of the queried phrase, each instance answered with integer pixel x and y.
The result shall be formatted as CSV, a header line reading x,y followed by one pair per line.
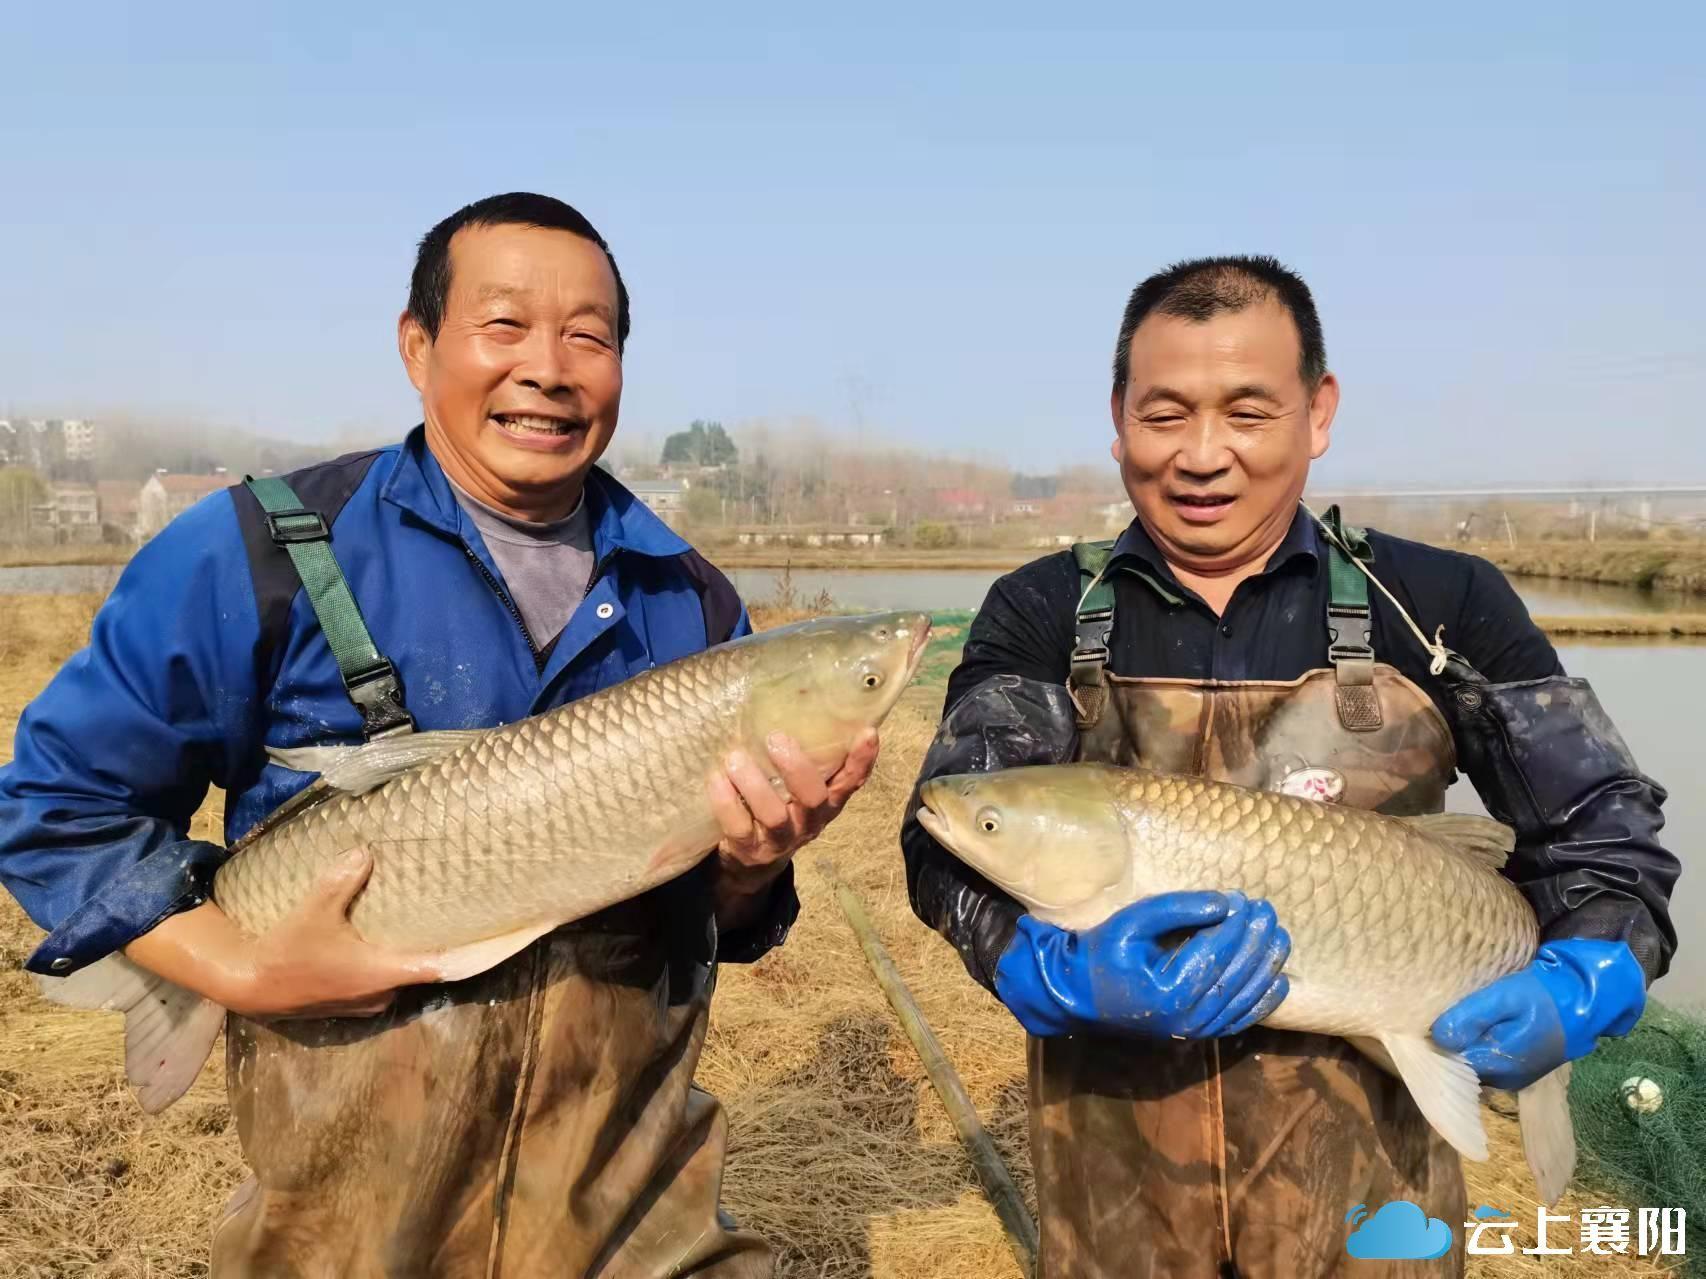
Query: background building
x,y
166,496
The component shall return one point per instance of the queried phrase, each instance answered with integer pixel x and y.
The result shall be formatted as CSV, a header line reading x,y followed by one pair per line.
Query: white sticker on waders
x,y
1323,785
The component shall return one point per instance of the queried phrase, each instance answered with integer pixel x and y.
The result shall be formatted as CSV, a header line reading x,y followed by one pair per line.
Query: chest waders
x,y
1241,1155
537,1119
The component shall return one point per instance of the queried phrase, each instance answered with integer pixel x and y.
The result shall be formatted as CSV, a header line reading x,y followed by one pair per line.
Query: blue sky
x,y
921,228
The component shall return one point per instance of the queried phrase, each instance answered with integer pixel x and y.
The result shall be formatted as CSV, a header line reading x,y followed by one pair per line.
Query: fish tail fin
x,y
1548,1136
1446,1090
168,1031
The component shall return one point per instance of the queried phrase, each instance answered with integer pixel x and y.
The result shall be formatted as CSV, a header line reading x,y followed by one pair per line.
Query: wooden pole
x,y
986,1160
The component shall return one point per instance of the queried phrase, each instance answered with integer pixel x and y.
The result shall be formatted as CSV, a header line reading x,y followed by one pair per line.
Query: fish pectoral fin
x,y
1481,838
476,957
356,770
1446,1089
1548,1136
168,1031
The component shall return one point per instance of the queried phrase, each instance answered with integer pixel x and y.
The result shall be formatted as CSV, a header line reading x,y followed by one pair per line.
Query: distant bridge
x,y
1567,492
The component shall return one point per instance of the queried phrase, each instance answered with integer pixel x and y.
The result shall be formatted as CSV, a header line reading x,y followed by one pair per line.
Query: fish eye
x,y
989,821
882,633
872,679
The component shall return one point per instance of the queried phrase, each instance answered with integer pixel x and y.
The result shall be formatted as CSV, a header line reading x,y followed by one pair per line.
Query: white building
x,y
72,513
79,436
166,496
666,497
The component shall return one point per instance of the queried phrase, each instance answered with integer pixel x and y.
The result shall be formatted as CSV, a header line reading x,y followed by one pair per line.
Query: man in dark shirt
x,y
1229,633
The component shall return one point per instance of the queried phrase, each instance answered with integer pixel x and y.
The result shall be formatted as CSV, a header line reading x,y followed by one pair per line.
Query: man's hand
x,y
312,963
763,830
1186,965
1525,1025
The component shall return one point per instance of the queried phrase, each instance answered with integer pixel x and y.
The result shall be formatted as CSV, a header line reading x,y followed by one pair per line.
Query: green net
x,y
1639,1105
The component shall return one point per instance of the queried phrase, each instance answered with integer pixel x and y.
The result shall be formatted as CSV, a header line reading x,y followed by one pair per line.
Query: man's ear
x,y
1323,407
414,345
1116,407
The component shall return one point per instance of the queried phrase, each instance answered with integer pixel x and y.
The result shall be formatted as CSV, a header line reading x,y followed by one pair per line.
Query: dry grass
x,y
1633,625
19,556
841,1154
1667,565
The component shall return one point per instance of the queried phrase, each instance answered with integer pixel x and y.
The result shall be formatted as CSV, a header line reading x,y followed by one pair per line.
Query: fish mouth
x,y
934,824
932,816
915,654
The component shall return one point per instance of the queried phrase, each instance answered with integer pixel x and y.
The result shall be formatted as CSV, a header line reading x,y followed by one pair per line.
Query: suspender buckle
x,y
379,694
287,528
1344,620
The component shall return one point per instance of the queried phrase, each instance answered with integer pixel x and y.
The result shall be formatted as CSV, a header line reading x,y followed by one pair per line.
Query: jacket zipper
x,y
497,587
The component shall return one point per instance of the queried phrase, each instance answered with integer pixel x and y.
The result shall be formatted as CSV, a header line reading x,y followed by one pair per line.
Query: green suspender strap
x,y
369,678
1094,624
1350,626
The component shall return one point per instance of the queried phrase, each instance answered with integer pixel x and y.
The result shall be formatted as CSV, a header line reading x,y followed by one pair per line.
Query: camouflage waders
x,y
1242,1155
539,1119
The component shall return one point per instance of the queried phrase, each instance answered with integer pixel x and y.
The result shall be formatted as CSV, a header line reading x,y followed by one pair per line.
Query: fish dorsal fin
x,y
355,770
315,793
350,770
1481,838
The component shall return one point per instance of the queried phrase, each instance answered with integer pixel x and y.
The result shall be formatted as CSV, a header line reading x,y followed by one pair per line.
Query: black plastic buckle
x,y
378,694
315,531
1338,613
1090,640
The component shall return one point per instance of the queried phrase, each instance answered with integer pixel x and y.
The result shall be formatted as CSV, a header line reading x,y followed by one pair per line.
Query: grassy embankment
x,y
1655,565
30,556
840,1153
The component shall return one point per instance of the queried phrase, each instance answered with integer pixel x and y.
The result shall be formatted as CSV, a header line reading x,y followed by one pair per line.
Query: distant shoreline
x,y
64,556
1677,567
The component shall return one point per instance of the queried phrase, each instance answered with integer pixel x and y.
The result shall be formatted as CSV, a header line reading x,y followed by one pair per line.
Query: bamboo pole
x,y
986,1160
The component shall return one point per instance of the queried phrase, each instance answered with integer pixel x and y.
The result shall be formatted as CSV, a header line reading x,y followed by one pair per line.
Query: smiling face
x,y
522,384
1214,432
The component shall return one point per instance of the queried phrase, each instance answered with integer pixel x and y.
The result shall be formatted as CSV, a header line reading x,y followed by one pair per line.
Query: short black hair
x,y
429,285
1201,288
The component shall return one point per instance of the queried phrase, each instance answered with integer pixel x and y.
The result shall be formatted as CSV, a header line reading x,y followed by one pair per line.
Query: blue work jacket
x,y
208,651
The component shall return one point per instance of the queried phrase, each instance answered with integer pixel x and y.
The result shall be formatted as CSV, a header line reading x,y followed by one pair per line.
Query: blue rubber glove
x,y
1128,975
1526,1025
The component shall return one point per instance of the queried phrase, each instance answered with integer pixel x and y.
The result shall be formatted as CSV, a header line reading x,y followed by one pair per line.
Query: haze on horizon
x,y
884,224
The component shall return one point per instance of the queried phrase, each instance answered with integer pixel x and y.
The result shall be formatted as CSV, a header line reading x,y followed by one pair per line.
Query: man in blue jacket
x,y
540,1117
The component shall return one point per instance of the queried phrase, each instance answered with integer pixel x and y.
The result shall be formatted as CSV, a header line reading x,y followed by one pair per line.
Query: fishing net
x,y
1639,1105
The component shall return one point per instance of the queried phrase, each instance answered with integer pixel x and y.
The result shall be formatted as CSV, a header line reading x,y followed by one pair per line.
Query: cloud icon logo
x,y
1399,1231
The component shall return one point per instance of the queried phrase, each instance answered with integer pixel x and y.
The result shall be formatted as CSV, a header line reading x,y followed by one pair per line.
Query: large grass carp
x,y
1392,919
484,840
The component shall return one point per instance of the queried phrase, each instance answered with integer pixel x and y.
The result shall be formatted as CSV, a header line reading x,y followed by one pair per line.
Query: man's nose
x,y
546,363
1206,448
